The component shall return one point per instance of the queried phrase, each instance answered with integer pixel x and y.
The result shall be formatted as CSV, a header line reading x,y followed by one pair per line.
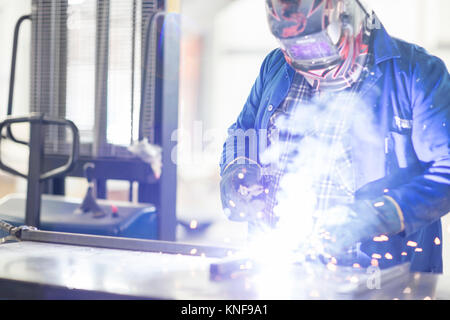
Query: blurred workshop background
x,y
223,45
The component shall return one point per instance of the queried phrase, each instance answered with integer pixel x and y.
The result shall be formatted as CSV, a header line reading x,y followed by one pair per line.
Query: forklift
x,y
59,149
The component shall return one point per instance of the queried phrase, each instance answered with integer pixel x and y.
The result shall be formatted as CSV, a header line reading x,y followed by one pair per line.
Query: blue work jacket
x,y
409,91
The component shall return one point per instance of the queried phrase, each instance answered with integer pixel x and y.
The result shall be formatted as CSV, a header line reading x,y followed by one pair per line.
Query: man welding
x,y
400,183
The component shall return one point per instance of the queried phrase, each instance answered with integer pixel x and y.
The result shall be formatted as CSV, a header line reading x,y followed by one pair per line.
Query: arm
x,y
427,197
241,187
235,149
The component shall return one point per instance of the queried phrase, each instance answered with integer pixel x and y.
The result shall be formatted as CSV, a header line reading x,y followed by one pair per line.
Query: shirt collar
x,y
383,46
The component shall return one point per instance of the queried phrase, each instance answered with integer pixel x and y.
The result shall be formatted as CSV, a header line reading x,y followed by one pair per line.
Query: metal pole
x,y
13,62
12,78
169,118
125,243
34,189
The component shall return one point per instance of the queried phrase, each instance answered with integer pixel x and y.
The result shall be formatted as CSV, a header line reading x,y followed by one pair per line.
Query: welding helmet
x,y
316,34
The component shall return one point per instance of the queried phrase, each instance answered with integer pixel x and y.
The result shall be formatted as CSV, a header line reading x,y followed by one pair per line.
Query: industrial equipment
x,y
108,69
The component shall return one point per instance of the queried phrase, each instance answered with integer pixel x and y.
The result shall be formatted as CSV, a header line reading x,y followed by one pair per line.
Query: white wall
x,y
10,11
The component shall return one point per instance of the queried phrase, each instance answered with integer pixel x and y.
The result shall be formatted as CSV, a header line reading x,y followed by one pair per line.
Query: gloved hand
x,y
243,193
343,227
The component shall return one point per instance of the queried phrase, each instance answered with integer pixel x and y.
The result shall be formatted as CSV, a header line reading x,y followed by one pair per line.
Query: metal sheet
x,y
51,270
123,243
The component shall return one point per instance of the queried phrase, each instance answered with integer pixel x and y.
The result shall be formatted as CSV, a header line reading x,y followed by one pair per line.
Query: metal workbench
x,y
38,270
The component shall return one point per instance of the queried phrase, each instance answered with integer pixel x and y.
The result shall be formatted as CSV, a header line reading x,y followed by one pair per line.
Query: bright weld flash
x,y
298,230
382,238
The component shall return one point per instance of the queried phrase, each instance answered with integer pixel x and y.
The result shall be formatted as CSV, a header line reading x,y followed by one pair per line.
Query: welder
x,y
402,189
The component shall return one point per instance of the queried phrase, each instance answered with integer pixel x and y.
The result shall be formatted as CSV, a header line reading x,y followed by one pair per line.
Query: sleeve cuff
x,y
399,212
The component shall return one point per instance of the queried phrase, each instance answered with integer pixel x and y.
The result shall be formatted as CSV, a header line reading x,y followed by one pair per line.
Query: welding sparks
x,y
194,224
412,244
382,238
437,241
379,204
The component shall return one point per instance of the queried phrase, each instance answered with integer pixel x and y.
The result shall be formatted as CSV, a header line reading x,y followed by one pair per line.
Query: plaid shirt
x,y
333,180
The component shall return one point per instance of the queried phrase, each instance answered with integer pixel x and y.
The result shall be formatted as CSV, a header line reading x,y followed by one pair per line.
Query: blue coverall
x,y
409,90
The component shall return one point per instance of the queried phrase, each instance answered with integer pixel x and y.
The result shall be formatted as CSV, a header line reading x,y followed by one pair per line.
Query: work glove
x,y
243,193
343,227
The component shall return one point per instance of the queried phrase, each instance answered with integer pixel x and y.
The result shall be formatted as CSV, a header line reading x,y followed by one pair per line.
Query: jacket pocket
x,y
399,148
